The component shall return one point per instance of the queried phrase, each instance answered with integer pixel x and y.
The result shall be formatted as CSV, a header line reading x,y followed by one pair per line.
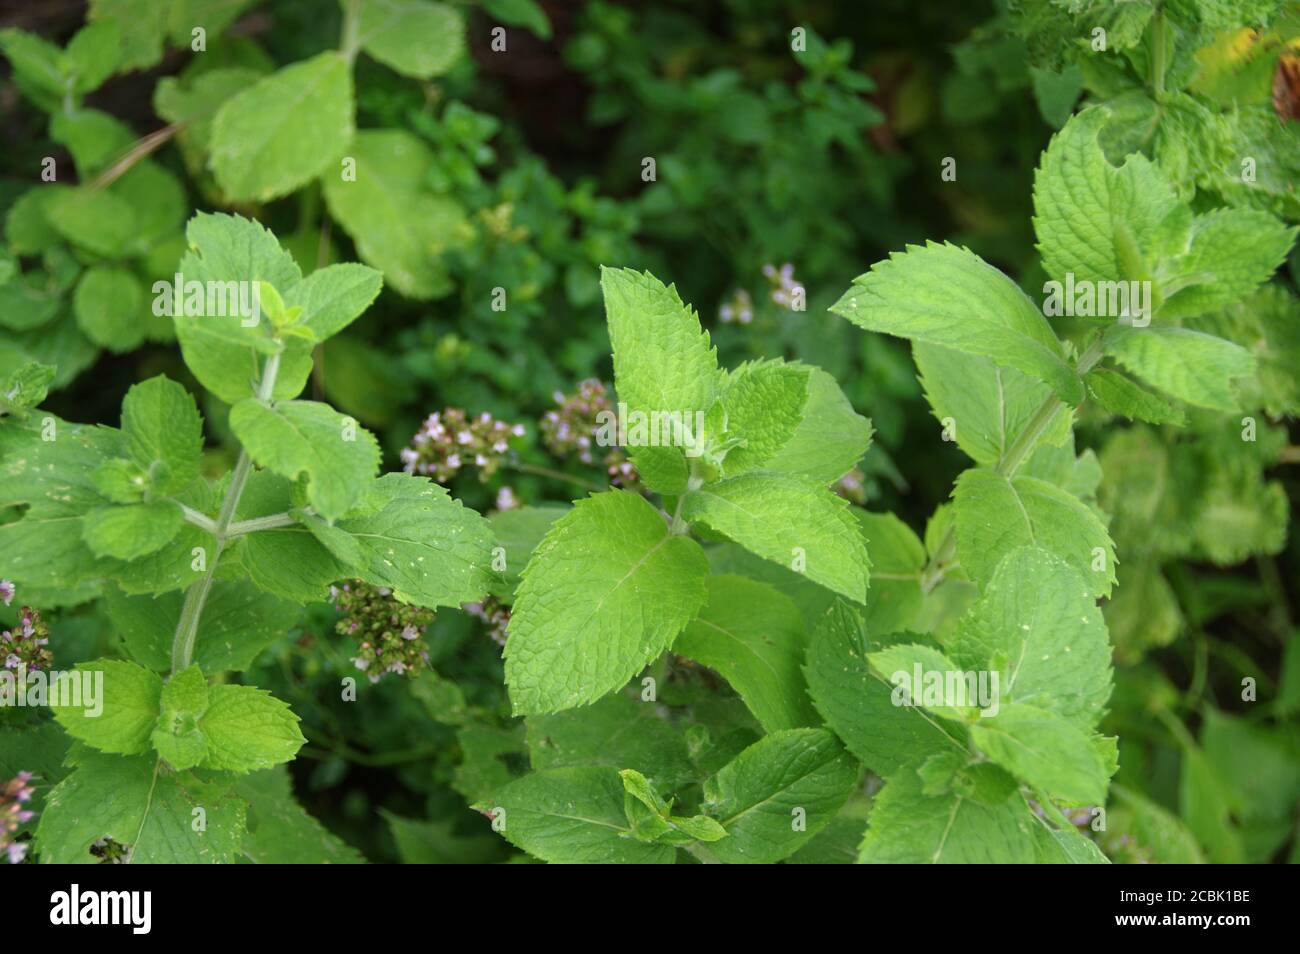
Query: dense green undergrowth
x,y
470,433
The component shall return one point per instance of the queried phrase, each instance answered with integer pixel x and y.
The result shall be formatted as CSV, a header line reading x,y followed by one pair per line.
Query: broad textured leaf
x,y
518,532
110,308
1038,624
130,531
294,438
605,593
284,130
789,520
1232,252
247,728
616,731
1121,395
164,433
754,637
138,803
1045,751
949,296
664,363
422,543
1189,365
995,515
572,816
399,226
857,702
419,38
908,826
279,829
987,405
333,297
760,794
122,713
1082,204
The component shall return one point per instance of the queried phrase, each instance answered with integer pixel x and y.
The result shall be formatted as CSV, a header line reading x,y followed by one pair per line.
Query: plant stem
x,y
555,475
271,522
1008,464
187,627
200,520
350,37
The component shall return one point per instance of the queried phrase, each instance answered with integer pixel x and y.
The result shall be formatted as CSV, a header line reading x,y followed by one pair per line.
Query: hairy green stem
x,y
187,627
1008,464
252,525
350,38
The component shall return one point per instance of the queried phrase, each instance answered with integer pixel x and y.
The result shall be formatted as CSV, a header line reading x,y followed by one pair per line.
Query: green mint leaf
x,y
1233,252
996,514
140,804
247,729
95,139
120,716
284,130
293,438
1121,395
99,222
398,225
333,297
177,737
830,439
982,406
164,433
26,386
92,55
778,793
109,305
1189,365
193,102
524,13
897,558
908,826
949,296
280,831
438,843
858,703
606,592
900,663
1044,750
753,636
219,339
1038,624
1084,206
664,363
422,543
616,731
789,520
571,816
764,401
130,531
418,38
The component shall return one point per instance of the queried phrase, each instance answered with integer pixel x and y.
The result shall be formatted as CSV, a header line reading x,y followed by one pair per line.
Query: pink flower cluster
x,y
390,633
16,793
25,644
738,310
784,286
448,441
571,429
495,614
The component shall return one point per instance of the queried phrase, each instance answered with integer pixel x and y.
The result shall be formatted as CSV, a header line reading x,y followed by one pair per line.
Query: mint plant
x,y
199,575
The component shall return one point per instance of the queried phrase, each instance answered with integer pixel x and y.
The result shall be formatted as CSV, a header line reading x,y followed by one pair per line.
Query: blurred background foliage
x,y
523,170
